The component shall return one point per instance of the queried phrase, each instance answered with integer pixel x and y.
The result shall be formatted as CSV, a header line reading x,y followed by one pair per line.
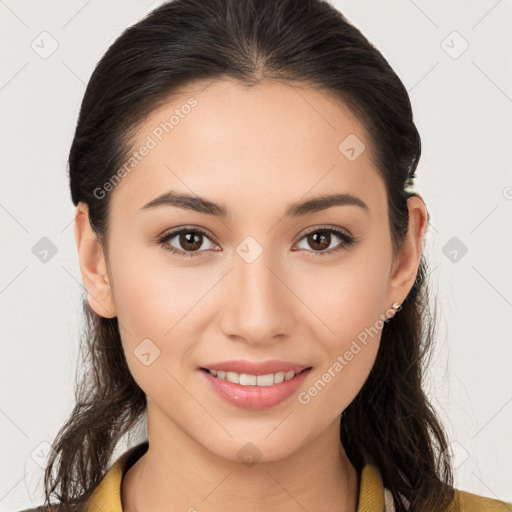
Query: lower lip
x,y
255,397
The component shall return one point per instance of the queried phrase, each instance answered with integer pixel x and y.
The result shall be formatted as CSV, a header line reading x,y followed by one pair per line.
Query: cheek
x,y
347,296
337,381
152,295
351,302
161,304
351,354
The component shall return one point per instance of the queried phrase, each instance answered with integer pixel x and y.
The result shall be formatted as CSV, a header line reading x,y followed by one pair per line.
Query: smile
x,y
245,379
255,392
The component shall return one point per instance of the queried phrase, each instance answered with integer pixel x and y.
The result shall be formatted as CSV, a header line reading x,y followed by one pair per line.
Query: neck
x,y
176,473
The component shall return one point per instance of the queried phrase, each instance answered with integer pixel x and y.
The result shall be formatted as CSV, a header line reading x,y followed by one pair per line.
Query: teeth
x,y
289,375
232,377
250,380
246,379
278,377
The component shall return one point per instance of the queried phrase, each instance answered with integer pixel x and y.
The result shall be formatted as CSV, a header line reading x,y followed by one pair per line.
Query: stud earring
x,y
397,307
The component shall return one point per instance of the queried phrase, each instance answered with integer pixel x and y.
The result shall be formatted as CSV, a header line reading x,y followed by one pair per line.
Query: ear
x,y
93,265
406,264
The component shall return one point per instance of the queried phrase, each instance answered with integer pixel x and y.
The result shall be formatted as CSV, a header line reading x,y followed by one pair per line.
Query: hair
x,y
304,43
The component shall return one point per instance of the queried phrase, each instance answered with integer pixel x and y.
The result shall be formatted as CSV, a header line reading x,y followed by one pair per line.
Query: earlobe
x,y
93,265
409,256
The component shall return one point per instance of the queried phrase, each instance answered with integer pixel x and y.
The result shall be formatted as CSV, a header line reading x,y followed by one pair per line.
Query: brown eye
x,y
188,241
321,239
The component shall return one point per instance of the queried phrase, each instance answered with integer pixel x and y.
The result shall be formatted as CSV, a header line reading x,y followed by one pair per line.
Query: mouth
x,y
247,379
255,392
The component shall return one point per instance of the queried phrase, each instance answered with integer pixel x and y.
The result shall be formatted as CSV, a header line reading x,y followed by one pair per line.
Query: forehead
x,y
271,143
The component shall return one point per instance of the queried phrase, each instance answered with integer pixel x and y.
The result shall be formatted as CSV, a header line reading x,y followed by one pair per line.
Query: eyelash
x,y
347,240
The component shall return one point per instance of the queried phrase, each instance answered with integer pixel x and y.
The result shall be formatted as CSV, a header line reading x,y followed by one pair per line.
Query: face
x,y
261,282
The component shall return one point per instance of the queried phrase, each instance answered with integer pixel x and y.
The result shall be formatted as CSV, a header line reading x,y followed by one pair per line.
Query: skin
x,y
255,150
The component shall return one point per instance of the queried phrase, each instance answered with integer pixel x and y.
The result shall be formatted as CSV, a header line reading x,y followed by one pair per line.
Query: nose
x,y
258,307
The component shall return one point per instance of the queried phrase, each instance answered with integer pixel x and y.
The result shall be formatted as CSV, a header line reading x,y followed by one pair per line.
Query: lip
x,y
255,397
253,368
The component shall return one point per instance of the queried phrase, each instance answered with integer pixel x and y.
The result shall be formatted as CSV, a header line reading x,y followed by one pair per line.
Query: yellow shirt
x,y
373,497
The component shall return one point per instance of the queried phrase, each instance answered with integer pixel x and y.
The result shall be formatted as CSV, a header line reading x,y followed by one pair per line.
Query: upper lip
x,y
252,368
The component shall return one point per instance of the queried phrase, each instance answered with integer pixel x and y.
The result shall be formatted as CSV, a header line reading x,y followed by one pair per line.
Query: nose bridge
x,y
257,297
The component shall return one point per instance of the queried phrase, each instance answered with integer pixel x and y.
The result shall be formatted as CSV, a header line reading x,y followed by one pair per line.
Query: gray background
x,y
462,99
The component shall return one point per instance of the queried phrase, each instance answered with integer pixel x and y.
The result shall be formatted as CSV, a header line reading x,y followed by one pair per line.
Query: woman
x,y
252,254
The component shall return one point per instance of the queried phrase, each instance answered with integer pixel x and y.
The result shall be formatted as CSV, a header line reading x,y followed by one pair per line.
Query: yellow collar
x,y
107,495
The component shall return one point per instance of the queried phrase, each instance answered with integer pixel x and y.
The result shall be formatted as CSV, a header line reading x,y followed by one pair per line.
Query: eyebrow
x,y
202,205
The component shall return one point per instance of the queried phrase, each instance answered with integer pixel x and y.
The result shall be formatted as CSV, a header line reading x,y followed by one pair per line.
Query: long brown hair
x,y
391,421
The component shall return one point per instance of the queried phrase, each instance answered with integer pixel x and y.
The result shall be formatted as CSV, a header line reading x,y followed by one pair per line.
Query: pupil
x,y
189,239
322,244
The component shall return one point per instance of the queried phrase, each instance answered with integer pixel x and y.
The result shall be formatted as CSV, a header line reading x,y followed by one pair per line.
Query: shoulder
x,y
462,502
468,502
42,508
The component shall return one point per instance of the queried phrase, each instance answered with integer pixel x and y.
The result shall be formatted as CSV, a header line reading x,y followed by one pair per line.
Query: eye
x,y
320,239
190,239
